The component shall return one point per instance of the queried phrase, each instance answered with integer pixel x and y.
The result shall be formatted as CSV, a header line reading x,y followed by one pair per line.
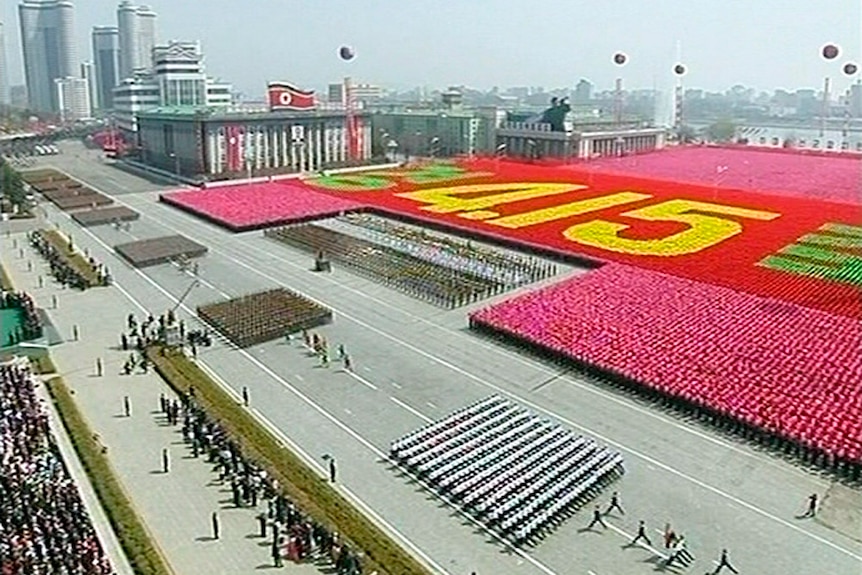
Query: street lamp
x,y
176,159
433,146
620,146
300,152
531,145
391,147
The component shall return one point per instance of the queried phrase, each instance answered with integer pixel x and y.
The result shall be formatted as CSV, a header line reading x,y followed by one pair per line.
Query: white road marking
x,y
360,379
396,386
415,412
299,377
479,380
347,411
431,405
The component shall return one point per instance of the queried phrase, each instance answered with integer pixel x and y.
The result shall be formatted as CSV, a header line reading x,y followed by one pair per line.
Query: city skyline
x,y
768,46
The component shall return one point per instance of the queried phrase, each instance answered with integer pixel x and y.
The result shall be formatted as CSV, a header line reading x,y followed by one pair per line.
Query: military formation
x,y
60,268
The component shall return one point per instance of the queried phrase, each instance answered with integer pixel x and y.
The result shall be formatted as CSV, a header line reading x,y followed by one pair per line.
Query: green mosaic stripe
x,y
823,256
348,183
843,230
847,271
436,173
816,253
836,242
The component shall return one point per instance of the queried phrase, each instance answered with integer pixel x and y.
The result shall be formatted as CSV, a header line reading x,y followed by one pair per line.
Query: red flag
x,y
283,96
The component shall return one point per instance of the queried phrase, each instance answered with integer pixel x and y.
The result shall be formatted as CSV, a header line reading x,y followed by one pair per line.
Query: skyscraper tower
x,y
88,74
49,49
106,57
4,72
137,37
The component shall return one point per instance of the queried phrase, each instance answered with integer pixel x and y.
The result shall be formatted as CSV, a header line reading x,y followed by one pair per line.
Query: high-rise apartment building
x,y
88,73
73,99
49,49
137,37
106,57
4,72
177,79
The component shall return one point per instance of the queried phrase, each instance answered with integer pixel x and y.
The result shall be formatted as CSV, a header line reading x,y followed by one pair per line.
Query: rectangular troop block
x,y
105,216
48,175
67,192
263,316
156,251
54,185
82,201
518,474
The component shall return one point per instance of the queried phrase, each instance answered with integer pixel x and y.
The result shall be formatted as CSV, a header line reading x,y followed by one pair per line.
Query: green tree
x,y
13,186
721,131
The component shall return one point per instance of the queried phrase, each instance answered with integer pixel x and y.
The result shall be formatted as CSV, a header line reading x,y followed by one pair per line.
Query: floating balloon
x,y
620,58
850,68
346,53
679,69
830,51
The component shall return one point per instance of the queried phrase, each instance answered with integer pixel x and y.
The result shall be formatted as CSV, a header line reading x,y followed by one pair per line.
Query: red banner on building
x,y
283,96
233,149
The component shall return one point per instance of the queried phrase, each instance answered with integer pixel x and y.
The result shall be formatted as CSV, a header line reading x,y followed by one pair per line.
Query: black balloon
x,y
830,51
620,58
850,68
346,53
679,69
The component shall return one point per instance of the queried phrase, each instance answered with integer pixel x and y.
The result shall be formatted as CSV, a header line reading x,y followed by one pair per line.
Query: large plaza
x,y
414,363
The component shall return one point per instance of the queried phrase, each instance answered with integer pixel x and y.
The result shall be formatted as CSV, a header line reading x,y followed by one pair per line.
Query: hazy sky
x,y
482,43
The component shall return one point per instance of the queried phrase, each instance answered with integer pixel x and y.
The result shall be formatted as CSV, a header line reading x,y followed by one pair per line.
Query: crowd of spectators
x,y
44,526
31,327
292,533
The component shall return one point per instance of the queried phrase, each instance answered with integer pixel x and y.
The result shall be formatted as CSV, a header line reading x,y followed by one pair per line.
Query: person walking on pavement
x,y
597,518
127,406
724,562
348,366
99,366
276,551
215,525
166,460
332,469
245,399
669,536
641,534
261,521
812,507
234,487
615,504
341,353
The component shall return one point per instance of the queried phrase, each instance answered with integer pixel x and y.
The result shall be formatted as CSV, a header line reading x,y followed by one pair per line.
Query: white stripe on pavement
x,y
360,379
415,412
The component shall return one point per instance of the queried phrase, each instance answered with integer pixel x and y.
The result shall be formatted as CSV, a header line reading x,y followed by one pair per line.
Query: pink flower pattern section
x,y
785,368
251,206
824,175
